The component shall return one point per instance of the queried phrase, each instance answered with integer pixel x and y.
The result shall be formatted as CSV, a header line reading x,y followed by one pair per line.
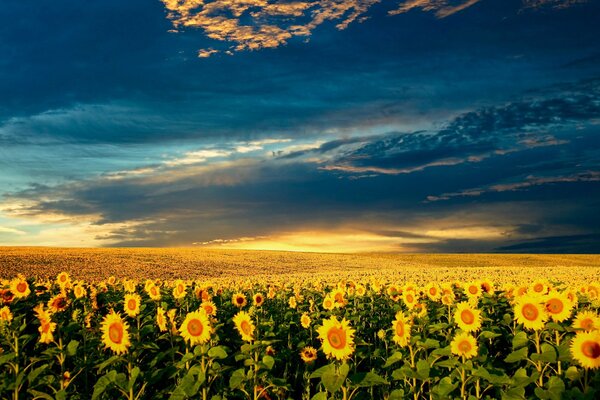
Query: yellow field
x,y
142,263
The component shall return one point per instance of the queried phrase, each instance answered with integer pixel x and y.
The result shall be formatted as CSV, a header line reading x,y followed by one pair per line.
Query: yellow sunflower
x,y
530,312
305,321
209,307
467,317
258,299
20,287
5,314
63,280
115,333
132,304
46,330
401,327
308,354
58,303
337,338
433,291
538,288
447,299
328,303
487,286
558,306
473,290
153,292
292,302
410,298
129,285
161,319
587,320
239,300
585,348
196,328
244,325
465,345
79,291
361,290
179,289
339,299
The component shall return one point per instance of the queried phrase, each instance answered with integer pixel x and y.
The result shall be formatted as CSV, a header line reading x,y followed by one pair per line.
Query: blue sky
x,y
331,125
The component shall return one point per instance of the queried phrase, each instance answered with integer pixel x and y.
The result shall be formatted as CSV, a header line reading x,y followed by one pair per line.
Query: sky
x,y
305,125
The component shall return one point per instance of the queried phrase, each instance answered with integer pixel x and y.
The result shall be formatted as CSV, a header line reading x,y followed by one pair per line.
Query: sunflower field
x,y
368,338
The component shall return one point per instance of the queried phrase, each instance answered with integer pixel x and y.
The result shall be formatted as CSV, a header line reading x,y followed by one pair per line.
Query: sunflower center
x,y
467,317
336,338
115,332
410,298
239,300
473,289
432,291
591,349
538,287
131,304
464,346
339,297
246,328
530,312
587,324
21,287
195,327
400,328
554,306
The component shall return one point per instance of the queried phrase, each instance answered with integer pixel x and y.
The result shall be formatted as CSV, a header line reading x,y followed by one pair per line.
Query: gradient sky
x,y
320,125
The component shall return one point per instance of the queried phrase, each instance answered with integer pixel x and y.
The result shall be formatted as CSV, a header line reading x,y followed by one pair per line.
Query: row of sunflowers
x,y
372,339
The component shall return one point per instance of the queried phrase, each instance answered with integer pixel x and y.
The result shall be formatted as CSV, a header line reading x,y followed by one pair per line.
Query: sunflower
x,y
209,307
465,345
538,288
558,306
153,292
132,304
338,298
433,292
161,319
305,321
292,302
129,285
79,291
244,325
63,280
410,298
239,300
473,290
6,296
448,299
196,328
179,289
308,354
587,321
337,338
46,330
328,303
467,317
585,348
401,327
530,312
19,287
258,299
115,333
487,286
5,314
361,290
58,303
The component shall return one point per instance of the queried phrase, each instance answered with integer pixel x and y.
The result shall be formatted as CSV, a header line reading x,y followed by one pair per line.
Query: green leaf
x,y
423,369
491,378
72,348
397,394
517,393
444,388
268,361
430,344
35,373
368,379
394,358
489,335
61,395
6,358
549,354
517,355
520,340
217,352
319,396
334,379
444,351
573,373
133,376
237,378
108,362
319,372
103,383
40,395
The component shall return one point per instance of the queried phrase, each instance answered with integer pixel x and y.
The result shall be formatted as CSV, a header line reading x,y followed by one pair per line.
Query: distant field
x,y
141,263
